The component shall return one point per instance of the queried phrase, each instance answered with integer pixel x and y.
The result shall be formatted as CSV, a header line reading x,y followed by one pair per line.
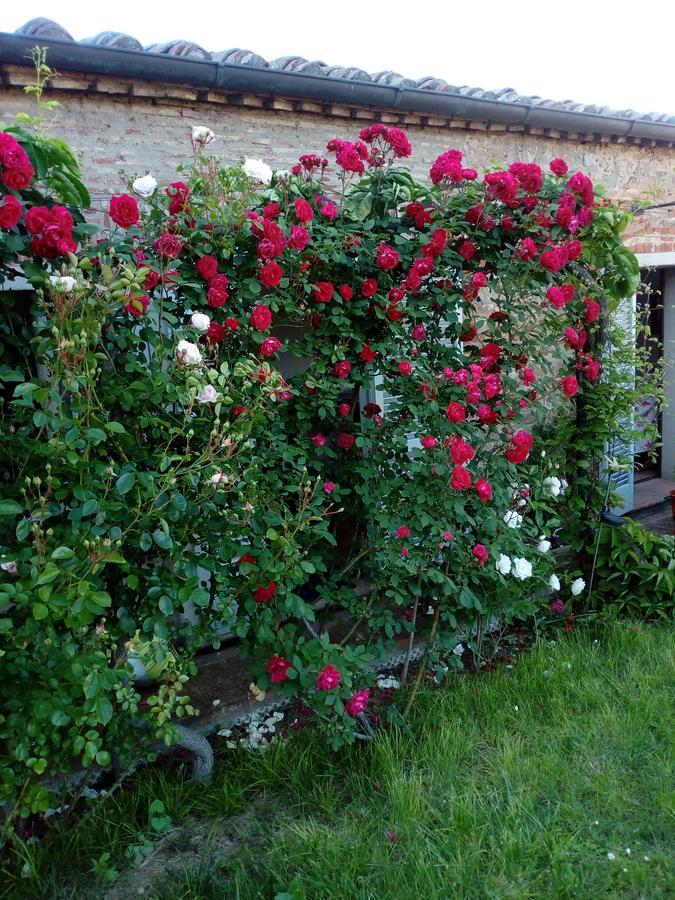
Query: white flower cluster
x,y
519,567
513,519
260,733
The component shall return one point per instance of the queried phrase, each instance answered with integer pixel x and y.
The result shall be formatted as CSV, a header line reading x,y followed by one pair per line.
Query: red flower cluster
x,y
448,167
16,171
521,444
52,230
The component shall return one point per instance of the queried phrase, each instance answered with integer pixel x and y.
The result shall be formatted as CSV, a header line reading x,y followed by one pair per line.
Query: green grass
x,y
513,784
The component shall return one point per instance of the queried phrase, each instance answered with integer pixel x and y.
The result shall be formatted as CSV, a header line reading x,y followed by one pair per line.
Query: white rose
x,y
513,519
208,394
219,478
200,321
577,586
63,283
188,354
145,186
9,567
554,485
554,583
257,170
522,569
544,544
202,135
503,564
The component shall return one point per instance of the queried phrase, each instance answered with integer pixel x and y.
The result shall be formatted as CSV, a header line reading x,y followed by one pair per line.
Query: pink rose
x,y
357,703
480,554
327,679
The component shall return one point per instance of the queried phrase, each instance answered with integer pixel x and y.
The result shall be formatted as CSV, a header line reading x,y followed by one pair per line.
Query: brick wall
x,y
117,127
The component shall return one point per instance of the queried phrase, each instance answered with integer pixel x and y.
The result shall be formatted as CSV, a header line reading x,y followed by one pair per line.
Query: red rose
x,y
460,451
357,703
467,250
151,280
428,442
455,412
367,354
179,194
52,229
272,210
217,292
403,532
271,274
592,310
303,210
299,238
124,210
231,323
19,176
369,287
266,249
269,346
461,479
264,594
277,669
327,679
10,212
215,333
319,440
405,368
558,166
323,292
521,444
342,369
261,317
386,257
168,245
137,305
592,369
207,267
486,414
569,385
483,489
480,554
344,409
345,441
346,292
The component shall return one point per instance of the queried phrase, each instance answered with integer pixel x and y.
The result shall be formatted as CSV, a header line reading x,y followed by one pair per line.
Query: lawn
x,y
552,778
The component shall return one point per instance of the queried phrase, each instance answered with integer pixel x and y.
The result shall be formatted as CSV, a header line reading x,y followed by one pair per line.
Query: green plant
x,y
256,389
635,573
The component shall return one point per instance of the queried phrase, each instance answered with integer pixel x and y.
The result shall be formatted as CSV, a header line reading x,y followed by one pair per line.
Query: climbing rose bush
x,y
317,408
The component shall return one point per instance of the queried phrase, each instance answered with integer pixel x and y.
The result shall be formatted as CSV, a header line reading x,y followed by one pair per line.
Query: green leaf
x,y
10,508
125,482
63,553
40,611
162,539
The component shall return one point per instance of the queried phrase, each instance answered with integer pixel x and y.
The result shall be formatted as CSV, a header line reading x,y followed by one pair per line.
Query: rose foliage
x,y
320,409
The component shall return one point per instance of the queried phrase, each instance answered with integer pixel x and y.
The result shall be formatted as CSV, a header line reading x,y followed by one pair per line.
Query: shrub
x,y
257,386
635,572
